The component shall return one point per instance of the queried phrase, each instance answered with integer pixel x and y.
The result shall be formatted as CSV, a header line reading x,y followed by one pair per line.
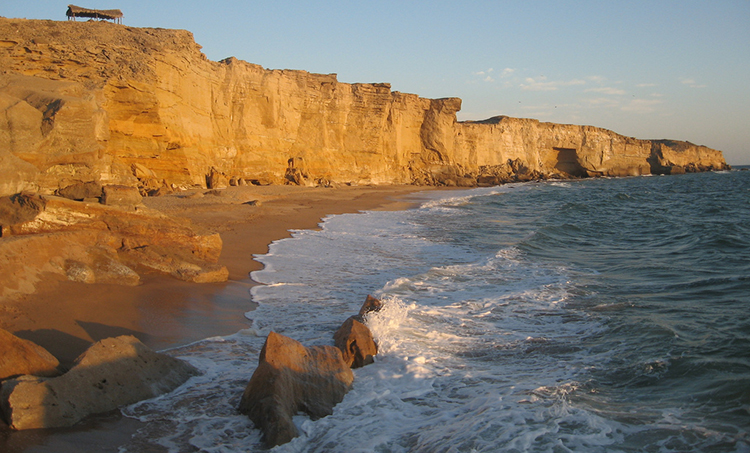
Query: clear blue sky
x,y
648,69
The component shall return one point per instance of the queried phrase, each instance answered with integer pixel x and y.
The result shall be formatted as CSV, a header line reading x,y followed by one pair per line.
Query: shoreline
x,y
66,317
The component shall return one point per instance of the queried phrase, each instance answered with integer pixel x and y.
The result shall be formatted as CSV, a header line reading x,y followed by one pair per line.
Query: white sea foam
x,y
478,351
455,365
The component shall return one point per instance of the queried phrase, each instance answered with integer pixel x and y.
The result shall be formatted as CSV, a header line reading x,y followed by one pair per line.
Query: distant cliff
x,y
94,101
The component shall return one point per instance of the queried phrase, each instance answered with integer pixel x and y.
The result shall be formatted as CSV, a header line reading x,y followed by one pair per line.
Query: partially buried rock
x,y
81,191
291,378
354,339
117,195
20,208
111,373
216,180
19,357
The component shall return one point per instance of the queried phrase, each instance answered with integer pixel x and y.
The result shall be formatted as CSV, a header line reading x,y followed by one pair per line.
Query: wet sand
x,y
66,317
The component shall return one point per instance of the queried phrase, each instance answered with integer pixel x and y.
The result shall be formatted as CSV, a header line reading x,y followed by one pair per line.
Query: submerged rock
x,y
291,378
111,373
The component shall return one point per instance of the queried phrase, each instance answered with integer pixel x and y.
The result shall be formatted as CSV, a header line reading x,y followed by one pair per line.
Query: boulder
x,y
216,180
291,378
354,339
111,373
19,357
81,191
118,195
371,304
207,273
20,208
170,261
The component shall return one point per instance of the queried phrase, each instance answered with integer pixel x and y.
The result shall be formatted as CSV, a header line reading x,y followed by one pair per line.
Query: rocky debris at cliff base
x,y
113,372
81,191
22,357
119,195
291,378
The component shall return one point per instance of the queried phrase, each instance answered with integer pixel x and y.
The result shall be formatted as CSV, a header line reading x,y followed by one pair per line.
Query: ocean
x,y
601,315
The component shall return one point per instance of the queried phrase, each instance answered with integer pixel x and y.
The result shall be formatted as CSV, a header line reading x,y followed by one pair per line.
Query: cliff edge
x,y
98,102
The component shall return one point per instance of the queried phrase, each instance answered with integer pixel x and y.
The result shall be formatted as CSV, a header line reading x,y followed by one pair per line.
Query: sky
x,y
647,69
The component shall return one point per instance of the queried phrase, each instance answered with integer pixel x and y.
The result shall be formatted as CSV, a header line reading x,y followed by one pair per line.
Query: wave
x,y
582,315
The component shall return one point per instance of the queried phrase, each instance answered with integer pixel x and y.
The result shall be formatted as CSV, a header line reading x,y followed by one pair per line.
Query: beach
x,y
66,317
590,315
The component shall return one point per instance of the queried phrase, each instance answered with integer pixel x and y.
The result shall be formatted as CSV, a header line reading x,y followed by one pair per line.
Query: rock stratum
x,y
97,102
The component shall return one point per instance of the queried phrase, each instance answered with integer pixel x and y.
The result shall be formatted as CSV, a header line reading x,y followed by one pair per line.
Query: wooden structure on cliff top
x,y
108,14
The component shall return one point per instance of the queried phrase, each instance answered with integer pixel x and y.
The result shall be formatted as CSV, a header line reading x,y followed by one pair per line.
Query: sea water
x,y
590,315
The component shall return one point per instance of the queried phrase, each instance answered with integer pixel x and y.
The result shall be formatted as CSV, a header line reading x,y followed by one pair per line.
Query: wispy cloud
x,y
602,102
485,75
646,85
596,79
642,106
539,110
507,72
541,84
691,83
605,90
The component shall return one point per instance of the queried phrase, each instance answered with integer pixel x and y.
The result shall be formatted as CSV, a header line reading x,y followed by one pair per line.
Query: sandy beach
x,y
66,317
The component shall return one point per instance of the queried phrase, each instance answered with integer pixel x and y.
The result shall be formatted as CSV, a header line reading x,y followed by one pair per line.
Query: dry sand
x,y
66,317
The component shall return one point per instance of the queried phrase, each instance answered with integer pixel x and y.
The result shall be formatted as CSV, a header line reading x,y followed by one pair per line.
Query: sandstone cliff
x,y
94,101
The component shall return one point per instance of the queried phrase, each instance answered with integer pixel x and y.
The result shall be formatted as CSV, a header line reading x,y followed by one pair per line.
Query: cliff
x,y
95,101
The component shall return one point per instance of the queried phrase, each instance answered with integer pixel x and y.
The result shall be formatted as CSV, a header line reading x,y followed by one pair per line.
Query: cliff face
x,y
93,101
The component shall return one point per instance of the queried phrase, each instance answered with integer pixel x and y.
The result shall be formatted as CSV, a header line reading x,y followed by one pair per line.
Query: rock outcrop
x,y
291,378
354,339
370,305
21,357
85,102
111,373
91,242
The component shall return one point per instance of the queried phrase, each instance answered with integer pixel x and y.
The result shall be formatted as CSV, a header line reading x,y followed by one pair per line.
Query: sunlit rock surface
x,y
94,101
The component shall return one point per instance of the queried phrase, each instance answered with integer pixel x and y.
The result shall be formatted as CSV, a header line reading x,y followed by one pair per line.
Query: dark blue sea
x,y
601,315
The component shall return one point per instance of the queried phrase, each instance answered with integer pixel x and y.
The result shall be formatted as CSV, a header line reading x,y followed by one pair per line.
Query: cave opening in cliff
x,y
567,162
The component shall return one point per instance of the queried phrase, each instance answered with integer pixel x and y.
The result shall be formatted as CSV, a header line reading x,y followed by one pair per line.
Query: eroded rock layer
x,y
42,236
94,101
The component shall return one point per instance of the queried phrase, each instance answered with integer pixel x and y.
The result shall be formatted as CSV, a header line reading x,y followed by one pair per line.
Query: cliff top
x,y
92,51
